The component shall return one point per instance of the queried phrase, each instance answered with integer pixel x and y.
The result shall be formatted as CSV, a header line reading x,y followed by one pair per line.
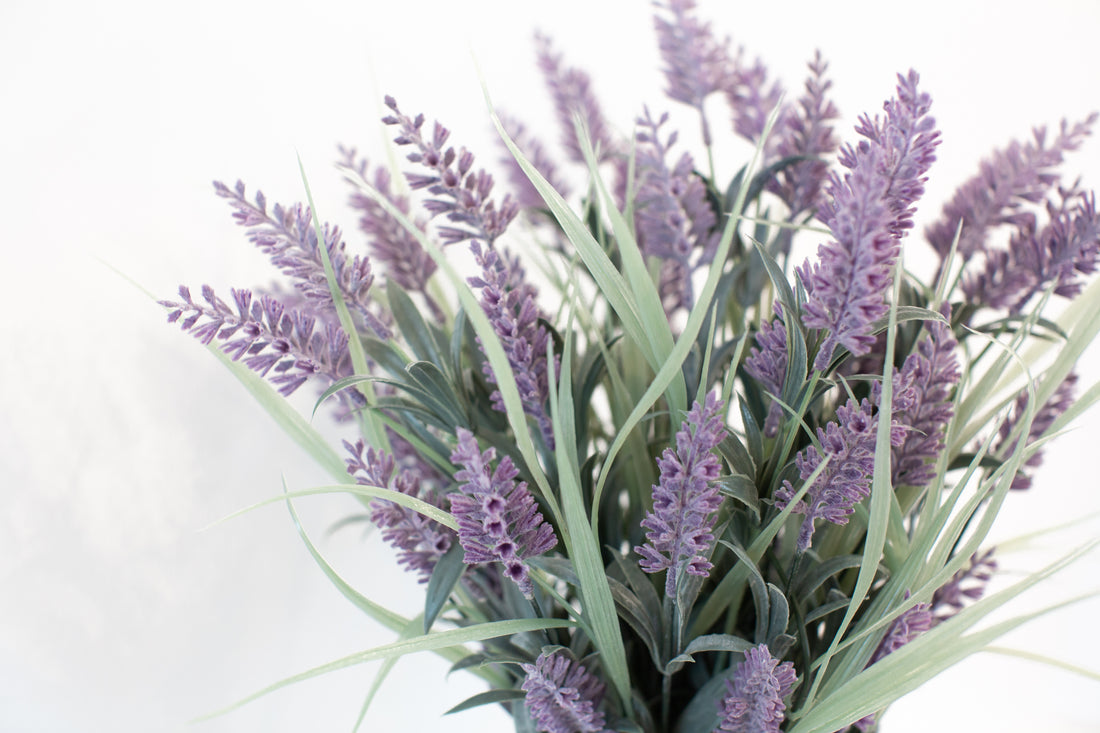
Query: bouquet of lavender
x,y
695,489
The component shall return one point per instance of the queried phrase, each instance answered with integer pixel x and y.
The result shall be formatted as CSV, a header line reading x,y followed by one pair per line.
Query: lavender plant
x,y
806,462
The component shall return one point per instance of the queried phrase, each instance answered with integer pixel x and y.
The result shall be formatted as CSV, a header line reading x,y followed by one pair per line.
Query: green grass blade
x,y
430,642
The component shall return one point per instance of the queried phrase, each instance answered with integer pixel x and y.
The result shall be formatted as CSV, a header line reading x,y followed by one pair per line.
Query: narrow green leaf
x,y
411,325
445,576
713,643
486,698
430,642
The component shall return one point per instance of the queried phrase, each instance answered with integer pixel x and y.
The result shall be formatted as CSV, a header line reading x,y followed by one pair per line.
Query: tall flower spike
x,y
510,303
751,96
922,403
685,498
968,584
420,542
906,627
871,208
767,364
850,445
696,64
393,246
288,237
672,217
805,130
754,696
498,520
1068,245
571,89
1018,174
461,193
562,696
282,344
1044,417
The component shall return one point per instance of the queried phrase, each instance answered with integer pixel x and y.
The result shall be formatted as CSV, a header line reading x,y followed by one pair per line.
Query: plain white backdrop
x,y
120,437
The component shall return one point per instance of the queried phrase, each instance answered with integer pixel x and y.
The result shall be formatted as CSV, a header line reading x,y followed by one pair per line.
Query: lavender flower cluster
x,y
788,381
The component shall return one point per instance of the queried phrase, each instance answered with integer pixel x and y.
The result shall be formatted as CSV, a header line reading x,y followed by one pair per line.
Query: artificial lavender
x,y
282,344
498,519
510,303
571,90
562,696
1056,253
850,445
967,584
287,235
909,625
696,64
754,696
392,246
461,193
751,96
870,209
767,364
527,196
685,498
922,403
1019,174
1041,422
672,217
420,542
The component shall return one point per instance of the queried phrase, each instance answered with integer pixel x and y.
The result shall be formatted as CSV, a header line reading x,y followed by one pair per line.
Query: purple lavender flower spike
x,y
850,444
767,364
402,258
510,303
906,627
498,519
1009,178
461,193
696,64
571,89
288,237
1068,245
527,195
968,584
281,344
922,403
1044,417
871,208
754,697
805,131
672,217
563,696
420,542
751,97
685,498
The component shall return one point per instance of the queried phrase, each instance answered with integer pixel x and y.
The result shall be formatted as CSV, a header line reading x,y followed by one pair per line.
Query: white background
x,y
120,437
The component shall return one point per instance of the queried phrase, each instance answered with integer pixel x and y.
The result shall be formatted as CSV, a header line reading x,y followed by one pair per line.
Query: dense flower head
x,y
509,301
287,235
922,403
282,344
685,498
849,442
571,89
805,130
461,193
754,696
420,542
498,519
870,209
392,246
562,696
751,96
1041,421
1057,253
767,364
967,584
672,217
696,64
1010,178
